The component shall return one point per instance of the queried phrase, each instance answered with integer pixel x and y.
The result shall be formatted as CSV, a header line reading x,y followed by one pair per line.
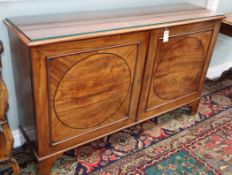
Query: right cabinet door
x,y
175,69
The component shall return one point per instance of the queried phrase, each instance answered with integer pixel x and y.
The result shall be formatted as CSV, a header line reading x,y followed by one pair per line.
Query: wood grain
x,y
22,70
48,72
6,138
175,69
179,68
93,92
79,87
95,87
49,27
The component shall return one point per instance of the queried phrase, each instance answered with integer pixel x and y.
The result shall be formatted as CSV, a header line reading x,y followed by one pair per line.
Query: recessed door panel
x,y
95,87
179,69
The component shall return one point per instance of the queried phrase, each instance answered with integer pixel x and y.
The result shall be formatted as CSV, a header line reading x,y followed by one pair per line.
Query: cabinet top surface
x,y
57,26
228,19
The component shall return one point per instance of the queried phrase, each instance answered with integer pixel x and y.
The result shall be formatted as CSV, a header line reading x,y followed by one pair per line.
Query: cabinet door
x,y
93,86
175,69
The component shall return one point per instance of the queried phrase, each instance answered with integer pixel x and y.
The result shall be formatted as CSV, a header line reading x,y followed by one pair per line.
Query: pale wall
x,y
223,50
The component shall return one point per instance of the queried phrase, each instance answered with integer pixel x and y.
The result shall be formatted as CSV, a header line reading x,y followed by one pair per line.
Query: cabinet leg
x,y
194,106
44,167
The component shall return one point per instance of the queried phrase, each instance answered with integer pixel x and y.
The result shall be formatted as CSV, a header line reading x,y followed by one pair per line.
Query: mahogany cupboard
x,y
82,76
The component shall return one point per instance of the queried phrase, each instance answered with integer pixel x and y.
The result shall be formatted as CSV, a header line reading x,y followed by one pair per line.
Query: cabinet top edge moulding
x,y
45,29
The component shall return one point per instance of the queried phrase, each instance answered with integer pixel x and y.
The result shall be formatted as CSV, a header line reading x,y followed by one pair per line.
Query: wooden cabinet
x,y
85,76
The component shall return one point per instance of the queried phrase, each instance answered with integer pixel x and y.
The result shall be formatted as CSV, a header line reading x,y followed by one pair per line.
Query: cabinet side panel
x,y
22,77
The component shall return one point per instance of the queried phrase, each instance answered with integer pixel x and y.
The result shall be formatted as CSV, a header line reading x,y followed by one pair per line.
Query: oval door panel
x,y
179,70
92,91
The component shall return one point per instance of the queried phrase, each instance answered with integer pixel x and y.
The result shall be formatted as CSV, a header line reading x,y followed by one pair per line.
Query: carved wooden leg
x,y
44,167
194,106
15,166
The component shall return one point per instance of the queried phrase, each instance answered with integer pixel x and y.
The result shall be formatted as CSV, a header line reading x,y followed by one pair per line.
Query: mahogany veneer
x,y
6,138
83,76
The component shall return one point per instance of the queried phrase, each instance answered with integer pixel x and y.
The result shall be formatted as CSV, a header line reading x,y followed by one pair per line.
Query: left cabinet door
x,y
92,85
